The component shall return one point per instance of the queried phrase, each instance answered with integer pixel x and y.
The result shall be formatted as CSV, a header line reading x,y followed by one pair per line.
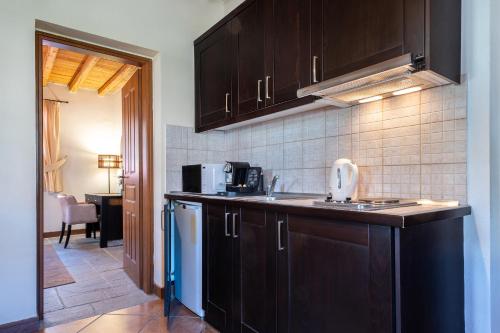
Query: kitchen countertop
x,y
400,217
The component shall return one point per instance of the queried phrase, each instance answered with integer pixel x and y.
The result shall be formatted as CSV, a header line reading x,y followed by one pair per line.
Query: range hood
x,y
392,77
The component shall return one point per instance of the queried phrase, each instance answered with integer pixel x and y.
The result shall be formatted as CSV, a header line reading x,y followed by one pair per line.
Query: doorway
x,y
137,150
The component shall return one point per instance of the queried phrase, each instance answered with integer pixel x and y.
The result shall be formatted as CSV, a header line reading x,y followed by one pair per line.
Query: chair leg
x,y
62,232
94,227
67,236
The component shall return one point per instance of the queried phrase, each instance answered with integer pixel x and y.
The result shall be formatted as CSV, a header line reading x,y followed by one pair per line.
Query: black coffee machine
x,y
243,179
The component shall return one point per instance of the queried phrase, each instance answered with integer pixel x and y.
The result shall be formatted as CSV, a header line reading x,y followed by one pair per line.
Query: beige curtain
x,y
52,163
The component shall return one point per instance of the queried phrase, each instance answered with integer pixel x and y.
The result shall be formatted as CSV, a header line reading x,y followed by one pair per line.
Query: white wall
x,y
477,228
90,125
167,26
495,166
229,5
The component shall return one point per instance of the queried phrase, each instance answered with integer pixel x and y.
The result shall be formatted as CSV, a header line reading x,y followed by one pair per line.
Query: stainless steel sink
x,y
279,197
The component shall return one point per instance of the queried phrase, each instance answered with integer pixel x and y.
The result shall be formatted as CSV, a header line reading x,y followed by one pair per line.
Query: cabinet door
x,y
289,31
248,28
255,272
213,58
334,277
219,268
356,34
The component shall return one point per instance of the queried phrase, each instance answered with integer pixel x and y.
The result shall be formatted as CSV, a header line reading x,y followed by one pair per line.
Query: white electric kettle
x,y
343,180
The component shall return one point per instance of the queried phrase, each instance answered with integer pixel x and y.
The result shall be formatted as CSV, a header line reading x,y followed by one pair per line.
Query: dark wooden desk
x,y
109,210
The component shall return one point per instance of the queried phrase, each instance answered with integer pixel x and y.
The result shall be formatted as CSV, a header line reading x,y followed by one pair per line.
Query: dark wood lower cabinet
x,y
334,277
218,254
268,271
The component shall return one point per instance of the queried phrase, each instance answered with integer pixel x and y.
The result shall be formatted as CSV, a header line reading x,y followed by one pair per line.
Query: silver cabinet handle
x,y
259,82
227,103
225,226
234,225
314,70
280,247
267,87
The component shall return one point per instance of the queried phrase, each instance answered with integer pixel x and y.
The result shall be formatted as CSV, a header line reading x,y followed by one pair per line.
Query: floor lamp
x,y
108,162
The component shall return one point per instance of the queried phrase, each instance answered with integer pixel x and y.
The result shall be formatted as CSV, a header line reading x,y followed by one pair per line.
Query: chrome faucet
x,y
271,187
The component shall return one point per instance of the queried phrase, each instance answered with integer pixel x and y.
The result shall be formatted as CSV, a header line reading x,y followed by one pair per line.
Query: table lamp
x,y
108,162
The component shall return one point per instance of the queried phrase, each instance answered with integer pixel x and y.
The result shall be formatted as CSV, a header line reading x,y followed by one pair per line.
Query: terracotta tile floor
x,y
144,318
101,285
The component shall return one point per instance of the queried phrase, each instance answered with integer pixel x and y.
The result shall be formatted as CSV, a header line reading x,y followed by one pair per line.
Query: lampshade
x,y
108,161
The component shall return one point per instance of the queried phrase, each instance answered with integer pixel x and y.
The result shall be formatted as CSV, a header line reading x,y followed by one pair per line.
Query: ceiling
x,y
79,71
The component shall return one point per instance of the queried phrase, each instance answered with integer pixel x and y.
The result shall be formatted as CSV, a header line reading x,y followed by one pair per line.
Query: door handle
x,y
280,246
234,225
314,69
227,103
259,82
225,226
267,87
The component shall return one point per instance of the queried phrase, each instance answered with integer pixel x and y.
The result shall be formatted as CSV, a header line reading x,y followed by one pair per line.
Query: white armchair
x,y
75,213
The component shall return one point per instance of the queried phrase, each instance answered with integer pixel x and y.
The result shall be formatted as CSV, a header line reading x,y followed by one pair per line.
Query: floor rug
x,y
54,272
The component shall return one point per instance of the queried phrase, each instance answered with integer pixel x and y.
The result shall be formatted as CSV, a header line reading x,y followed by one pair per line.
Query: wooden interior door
x,y
131,181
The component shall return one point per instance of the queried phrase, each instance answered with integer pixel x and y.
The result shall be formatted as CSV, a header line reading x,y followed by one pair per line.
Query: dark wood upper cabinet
x,y
262,52
213,61
248,30
288,54
356,34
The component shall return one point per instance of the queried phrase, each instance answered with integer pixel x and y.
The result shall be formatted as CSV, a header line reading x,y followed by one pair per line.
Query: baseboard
x,y
159,291
21,326
51,234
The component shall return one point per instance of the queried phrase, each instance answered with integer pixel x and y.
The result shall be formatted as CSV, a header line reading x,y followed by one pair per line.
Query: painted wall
x,y
167,26
495,166
90,125
477,228
229,5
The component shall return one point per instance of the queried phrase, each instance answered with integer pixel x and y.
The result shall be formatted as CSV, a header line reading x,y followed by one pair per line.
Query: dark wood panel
x,y
333,230
219,268
213,68
431,277
443,22
248,28
290,49
328,280
327,283
360,33
255,281
414,33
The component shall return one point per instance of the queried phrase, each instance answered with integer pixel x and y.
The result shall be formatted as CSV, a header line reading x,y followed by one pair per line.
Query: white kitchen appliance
x,y
188,255
344,180
204,178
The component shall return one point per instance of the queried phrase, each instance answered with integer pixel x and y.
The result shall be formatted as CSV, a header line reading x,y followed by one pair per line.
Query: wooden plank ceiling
x,y
80,71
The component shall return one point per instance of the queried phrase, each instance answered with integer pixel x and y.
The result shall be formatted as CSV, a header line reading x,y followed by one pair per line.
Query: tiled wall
x,y
407,146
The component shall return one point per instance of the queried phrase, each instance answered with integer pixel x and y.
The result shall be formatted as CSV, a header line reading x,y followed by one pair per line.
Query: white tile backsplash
x,y
406,146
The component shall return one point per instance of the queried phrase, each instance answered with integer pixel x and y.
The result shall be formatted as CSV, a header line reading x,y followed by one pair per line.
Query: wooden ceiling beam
x,y
49,60
118,80
82,73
